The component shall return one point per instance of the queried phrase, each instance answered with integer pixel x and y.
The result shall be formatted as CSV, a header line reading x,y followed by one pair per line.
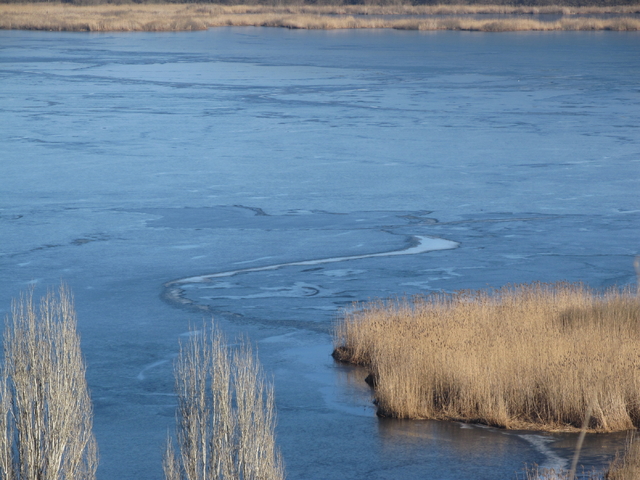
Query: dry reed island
x,y
123,16
532,356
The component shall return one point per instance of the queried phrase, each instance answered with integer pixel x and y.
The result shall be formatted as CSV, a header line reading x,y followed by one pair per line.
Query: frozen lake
x,y
272,177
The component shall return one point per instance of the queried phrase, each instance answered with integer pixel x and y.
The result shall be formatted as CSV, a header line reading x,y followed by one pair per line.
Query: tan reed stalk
x,y
636,264
225,417
46,418
524,356
580,441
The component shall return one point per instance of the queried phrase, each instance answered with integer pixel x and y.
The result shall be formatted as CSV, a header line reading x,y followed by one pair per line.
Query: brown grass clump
x,y
534,356
175,17
226,415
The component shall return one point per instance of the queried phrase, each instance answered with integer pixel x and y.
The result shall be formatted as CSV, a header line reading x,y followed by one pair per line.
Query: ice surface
x,y
129,161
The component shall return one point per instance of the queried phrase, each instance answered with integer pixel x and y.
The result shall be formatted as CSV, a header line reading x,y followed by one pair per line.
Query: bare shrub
x,y
524,356
226,415
45,409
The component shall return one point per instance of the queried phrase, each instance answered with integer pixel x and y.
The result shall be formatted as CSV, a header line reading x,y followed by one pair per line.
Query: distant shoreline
x,y
180,17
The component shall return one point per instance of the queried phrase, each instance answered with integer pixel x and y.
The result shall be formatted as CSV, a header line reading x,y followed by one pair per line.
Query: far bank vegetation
x,y
530,356
104,17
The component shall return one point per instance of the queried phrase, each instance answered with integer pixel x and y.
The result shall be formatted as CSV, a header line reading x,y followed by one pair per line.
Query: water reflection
x,y
465,451
477,450
598,448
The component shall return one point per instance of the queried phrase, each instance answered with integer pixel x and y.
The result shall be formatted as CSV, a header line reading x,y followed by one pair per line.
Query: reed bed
x,y
177,17
530,356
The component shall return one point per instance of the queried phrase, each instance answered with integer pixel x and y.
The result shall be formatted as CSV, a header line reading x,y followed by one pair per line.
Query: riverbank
x,y
531,356
179,17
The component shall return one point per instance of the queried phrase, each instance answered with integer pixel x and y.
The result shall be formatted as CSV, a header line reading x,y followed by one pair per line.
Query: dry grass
x,y
226,415
526,356
45,409
174,17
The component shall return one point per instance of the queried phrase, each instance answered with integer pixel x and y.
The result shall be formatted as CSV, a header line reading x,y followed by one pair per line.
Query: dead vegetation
x,y
226,415
525,356
176,17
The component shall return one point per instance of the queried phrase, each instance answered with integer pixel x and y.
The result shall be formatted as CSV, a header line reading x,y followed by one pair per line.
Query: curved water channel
x,y
271,178
419,244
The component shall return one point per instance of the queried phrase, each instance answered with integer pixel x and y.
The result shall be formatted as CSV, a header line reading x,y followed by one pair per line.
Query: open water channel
x,y
277,176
